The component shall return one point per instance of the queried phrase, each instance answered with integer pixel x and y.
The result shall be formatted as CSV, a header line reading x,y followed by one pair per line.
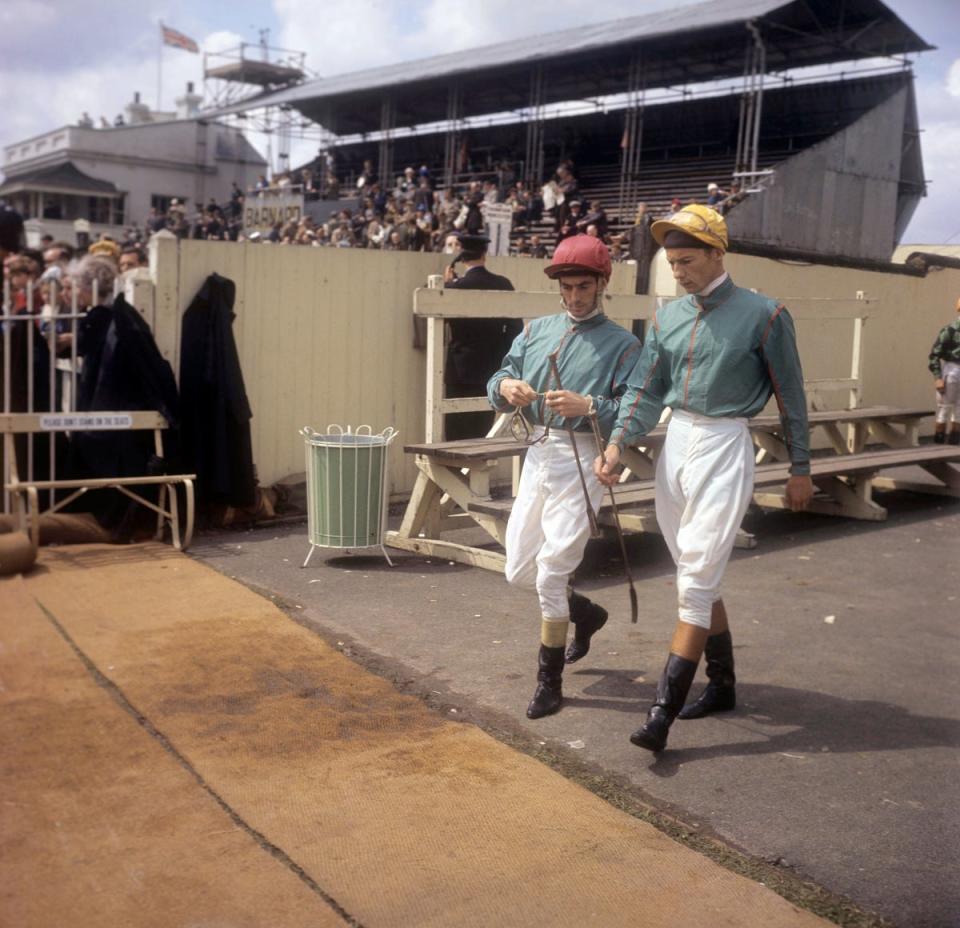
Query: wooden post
x,y
856,365
435,363
164,251
139,293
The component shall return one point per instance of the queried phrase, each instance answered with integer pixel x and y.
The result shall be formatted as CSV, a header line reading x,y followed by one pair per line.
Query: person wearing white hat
x,y
714,194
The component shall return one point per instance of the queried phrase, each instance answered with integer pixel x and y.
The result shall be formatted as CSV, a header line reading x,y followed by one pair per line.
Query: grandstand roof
x,y
688,44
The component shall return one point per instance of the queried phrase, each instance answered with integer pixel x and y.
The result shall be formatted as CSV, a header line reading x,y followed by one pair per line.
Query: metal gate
x,y
39,337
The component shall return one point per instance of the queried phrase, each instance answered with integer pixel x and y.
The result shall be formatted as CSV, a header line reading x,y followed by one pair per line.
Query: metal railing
x,y
30,324
34,413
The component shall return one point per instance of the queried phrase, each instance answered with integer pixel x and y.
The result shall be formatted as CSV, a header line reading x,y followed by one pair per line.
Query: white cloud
x,y
351,35
54,64
101,87
343,35
221,41
18,17
953,79
100,90
936,217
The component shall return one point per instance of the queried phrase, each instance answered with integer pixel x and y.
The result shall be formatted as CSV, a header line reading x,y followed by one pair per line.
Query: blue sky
x,y
55,61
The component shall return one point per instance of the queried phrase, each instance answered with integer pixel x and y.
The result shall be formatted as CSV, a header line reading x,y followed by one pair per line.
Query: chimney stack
x,y
137,112
189,104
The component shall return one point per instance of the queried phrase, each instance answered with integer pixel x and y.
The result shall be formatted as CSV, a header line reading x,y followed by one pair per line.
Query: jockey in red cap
x,y
548,526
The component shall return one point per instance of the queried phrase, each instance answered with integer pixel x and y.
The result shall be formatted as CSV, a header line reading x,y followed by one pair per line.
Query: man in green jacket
x,y
715,357
945,367
548,527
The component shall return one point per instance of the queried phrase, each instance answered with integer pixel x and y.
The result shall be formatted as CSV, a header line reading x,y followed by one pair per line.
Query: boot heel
x,y
652,735
671,692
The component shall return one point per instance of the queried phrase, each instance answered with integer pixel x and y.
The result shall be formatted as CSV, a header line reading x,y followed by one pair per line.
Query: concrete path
x,y
178,751
839,766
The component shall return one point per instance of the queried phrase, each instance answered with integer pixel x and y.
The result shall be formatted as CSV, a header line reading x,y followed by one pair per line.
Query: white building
x,y
112,176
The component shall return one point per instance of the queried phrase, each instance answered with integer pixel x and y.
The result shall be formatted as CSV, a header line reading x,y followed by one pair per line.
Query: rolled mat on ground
x,y
17,554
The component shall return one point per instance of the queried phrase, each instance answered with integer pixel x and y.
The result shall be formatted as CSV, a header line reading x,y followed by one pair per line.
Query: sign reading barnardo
x,y
270,208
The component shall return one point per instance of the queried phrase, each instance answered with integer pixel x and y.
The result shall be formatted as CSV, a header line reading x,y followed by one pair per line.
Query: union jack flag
x,y
178,39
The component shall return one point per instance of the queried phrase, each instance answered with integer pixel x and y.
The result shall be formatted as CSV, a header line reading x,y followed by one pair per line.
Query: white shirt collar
x,y
576,319
710,287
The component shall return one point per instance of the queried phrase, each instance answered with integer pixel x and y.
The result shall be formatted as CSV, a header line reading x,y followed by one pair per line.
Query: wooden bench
x,y
841,480
453,486
25,493
454,478
454,475
892,426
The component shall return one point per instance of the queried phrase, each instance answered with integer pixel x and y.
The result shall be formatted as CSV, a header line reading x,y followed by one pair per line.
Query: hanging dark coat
x,y
215,429
122,370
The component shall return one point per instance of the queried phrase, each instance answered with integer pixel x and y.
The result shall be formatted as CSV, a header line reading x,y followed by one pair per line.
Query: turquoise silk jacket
x,y
722,355
594,359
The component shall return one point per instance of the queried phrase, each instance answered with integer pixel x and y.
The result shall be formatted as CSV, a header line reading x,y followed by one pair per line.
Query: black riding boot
x,y
719,694
588,618
954,437
549,695
940,433
671,692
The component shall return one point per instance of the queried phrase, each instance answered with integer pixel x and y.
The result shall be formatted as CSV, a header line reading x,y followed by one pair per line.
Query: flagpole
x,y
160,67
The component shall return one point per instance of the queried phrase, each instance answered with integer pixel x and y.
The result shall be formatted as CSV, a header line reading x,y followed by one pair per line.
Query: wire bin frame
x,y
346,488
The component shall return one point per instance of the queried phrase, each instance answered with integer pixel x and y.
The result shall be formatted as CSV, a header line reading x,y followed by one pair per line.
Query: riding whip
x,y
616,521
591,515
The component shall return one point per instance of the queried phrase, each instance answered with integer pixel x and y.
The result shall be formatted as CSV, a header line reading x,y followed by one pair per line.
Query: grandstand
x,y
834,165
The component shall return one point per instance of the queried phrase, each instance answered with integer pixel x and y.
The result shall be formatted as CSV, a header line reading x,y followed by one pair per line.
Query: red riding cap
x,y
580,254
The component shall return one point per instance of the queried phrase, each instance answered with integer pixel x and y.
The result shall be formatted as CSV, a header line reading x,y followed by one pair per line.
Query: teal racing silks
x,y
722,356
595,356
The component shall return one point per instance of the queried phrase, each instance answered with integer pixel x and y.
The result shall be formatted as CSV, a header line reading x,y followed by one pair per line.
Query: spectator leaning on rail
x,y
548,526
714,357
945,367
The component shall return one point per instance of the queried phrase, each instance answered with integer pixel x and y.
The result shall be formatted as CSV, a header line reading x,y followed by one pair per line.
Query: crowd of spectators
x,y
57,278
414,214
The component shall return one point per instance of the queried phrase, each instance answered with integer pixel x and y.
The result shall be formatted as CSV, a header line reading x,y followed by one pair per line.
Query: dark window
x,y
117,210
99,209
53,206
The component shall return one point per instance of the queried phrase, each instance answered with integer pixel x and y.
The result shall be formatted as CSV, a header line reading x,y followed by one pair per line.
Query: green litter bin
x,y
347,487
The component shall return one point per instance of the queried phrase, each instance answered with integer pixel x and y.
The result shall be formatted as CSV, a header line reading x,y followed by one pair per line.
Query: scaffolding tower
x,y
244,72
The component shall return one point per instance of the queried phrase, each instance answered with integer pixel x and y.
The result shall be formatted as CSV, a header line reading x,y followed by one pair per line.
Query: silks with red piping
x,y
723,355
595,357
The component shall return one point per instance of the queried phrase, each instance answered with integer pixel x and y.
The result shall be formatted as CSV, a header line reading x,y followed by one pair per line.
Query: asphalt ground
x,y
835,780
179,753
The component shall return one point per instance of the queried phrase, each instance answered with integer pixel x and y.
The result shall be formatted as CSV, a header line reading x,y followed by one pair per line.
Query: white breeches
x,y
704,485
948,402
548,527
